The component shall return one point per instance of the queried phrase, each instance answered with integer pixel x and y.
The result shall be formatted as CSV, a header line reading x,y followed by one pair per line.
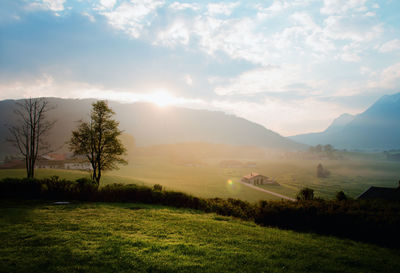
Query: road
x,y
267,191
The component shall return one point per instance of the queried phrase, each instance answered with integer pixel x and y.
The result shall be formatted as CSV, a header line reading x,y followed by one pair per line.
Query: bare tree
x,y
28,133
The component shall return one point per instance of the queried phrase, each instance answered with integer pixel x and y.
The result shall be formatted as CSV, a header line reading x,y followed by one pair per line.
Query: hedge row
x,y
371,221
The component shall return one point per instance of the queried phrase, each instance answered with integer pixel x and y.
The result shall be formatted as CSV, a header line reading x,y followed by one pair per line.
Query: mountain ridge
x,y
153,125
375,128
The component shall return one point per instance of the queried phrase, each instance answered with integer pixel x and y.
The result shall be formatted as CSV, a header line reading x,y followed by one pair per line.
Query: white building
x,y
258,179
78,166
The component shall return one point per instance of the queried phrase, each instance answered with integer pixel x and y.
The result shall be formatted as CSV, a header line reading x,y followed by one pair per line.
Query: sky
x,y
292,66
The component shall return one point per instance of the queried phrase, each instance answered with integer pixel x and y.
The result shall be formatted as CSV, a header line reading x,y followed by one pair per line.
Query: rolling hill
x,y
153,125
377,128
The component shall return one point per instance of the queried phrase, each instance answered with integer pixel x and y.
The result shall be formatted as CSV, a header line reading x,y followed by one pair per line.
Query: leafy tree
x,y
98,140
340,196
305,194
29,132
322,172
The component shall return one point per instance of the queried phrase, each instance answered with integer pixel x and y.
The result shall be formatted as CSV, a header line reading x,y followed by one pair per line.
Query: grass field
x,y
97,237
211,180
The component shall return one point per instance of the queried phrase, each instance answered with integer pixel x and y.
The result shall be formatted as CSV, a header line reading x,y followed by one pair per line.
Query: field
x,y
97,237
209,179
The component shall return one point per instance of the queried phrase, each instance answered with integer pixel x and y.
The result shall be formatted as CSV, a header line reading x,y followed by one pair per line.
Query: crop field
x,y
40,236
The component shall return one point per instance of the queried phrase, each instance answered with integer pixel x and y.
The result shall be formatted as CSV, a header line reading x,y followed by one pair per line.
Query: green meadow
x,y
209,179
40,236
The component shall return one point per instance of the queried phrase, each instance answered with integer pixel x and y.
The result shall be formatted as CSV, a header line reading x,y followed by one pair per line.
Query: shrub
x,y
305,194
157,187
341,196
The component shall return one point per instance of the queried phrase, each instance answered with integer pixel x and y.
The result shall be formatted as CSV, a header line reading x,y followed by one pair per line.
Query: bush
x,y
371,221
341,196
305,194
157,187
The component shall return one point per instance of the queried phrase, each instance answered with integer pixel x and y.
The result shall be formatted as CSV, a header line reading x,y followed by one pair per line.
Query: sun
x,y
161,98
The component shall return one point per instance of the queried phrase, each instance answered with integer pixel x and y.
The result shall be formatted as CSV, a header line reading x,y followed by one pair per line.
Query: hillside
x,y
98,237
153,125
376,128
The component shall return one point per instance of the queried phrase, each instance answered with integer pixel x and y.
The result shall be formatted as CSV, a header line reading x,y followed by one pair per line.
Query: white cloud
x,y
107,4
390,46
89,16
132,17
188,79
221,8
183,6
268,80
342,6
358,29
388,78
53,5
175,34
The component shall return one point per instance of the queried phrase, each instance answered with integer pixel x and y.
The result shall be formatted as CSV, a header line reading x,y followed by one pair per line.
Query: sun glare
x,y
161,98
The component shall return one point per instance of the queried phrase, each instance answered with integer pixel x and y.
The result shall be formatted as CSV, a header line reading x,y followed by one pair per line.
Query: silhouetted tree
x,y
29,132
305,194
98,140
340,196
322,172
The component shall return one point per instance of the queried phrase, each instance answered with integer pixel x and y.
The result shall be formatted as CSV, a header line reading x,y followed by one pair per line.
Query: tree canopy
x,y
98,140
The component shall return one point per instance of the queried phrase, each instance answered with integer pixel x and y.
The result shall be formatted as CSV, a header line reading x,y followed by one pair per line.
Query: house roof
x,y
252,175
381,193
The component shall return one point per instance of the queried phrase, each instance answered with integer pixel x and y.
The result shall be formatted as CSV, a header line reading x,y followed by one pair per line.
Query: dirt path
x,y
267,191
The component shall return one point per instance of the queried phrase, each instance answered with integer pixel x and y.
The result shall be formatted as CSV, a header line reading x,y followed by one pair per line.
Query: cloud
x,y
341,6
388,78
53,5
188,79
184,6
221,8
89,16
132,17
176,34
354,28
390,46
267,80
107,4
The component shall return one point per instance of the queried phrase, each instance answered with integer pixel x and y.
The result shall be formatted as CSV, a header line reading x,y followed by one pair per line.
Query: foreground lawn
x,y
99,237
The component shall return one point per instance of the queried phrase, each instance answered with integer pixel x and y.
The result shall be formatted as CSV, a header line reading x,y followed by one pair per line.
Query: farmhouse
x,y
258,179
392,194
76,165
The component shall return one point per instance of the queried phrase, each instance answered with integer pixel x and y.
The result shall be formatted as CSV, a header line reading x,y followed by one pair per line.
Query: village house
x,y
78,166
258,179
390,194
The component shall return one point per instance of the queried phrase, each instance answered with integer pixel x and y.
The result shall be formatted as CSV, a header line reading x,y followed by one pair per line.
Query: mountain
x,y
322,137
153,125
376,128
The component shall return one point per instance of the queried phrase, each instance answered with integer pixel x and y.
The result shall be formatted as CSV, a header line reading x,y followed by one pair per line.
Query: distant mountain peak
x,y
375,128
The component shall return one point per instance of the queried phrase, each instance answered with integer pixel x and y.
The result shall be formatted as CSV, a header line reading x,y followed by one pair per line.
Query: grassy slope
x,y
42,237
